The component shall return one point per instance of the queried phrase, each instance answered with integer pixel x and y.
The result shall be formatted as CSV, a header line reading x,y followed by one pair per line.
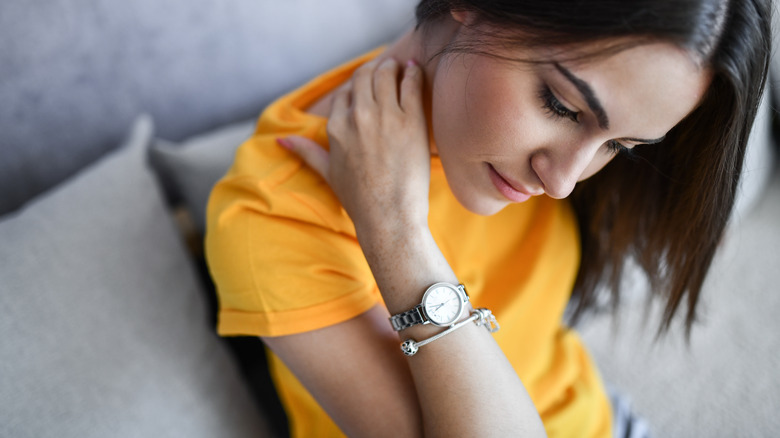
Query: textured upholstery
x,y
189,170
74,73
104,325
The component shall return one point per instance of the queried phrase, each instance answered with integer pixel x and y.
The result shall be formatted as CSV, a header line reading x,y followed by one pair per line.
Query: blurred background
x,y
115,120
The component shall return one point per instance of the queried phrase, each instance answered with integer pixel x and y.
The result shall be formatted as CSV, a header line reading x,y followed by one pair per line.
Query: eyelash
x,y
555,108
616,148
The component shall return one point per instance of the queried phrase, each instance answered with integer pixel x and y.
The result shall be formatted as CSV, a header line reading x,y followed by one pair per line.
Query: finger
x,y
314,155
340,103
362,84
411,89
386,82
339,120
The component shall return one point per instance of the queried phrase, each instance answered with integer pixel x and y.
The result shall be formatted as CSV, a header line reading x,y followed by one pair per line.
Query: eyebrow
x,y
588,94
595,105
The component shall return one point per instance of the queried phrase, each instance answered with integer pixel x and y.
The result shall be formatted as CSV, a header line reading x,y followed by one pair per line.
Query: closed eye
x,y
554,107
615,147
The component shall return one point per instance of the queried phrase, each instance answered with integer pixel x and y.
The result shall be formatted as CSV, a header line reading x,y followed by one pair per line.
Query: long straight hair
x,y
664,206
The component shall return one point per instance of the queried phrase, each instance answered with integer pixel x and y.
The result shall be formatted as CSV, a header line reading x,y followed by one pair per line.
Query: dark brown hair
x,y
665,206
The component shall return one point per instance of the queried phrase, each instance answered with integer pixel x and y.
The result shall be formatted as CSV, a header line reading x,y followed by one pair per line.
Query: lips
x,y
505,187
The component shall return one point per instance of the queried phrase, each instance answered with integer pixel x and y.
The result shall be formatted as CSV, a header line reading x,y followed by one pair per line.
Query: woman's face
x,y
506,131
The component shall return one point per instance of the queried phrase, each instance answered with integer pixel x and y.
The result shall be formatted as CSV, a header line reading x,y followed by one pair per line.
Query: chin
x,y
481,205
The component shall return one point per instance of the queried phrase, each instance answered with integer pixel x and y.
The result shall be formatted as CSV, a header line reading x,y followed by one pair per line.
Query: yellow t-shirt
x,y
285,260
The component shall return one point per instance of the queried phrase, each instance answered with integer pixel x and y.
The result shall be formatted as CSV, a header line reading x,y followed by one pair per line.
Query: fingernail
x,y
283,142
387,62
411,63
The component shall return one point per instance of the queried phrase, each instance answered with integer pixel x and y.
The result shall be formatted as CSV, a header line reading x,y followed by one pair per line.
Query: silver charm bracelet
x,y
480,317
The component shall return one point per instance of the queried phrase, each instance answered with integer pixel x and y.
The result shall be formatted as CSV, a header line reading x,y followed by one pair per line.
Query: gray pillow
x,y
189,170
104,327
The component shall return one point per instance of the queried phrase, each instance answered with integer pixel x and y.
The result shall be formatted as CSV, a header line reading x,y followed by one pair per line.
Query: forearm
x,y
464,383
378,165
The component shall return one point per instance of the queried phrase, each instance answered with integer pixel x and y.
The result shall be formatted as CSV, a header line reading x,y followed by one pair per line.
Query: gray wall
x,y
74,73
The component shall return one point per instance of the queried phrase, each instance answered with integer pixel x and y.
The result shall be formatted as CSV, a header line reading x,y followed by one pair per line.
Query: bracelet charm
x,y
409,347
487,319
480,317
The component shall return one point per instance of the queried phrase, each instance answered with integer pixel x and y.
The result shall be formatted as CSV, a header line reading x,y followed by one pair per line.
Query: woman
x,y
448,158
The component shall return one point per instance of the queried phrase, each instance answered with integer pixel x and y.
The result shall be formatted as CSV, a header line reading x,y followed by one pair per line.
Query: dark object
x,y
250,356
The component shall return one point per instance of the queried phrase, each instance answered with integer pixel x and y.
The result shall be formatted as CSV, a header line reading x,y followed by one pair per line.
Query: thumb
x,y
310,152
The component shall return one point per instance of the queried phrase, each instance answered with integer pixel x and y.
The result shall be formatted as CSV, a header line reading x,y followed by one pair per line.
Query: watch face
x,y
442,304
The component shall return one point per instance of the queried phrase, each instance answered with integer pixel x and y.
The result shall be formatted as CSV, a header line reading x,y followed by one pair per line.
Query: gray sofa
x,y
108,326
115,120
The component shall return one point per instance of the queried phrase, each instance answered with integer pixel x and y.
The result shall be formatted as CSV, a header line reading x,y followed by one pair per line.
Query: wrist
x,y
392,235
442,305
405,261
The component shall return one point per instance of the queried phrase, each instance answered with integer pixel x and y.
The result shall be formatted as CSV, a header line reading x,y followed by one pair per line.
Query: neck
x,y
421,46
417,45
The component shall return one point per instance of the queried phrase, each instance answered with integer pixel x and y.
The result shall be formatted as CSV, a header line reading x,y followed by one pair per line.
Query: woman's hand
x,y
379,159
379,167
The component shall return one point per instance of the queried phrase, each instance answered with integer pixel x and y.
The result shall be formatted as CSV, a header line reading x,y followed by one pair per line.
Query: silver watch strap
x,y
415,316
407,319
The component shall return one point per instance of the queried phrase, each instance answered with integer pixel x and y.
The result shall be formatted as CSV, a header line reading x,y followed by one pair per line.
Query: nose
x,y
559,168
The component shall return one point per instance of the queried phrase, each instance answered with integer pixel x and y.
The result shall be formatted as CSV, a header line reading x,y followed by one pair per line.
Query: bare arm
x,y
461,384
357,373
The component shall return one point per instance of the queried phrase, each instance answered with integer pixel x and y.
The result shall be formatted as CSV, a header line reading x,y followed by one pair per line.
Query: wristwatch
x,y
442,305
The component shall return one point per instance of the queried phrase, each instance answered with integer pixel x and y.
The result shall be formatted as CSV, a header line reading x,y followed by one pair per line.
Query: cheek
x,y
598,163
499,116
476,108
458,120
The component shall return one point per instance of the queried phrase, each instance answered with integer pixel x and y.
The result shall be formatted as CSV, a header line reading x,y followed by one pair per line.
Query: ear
x,y
463,16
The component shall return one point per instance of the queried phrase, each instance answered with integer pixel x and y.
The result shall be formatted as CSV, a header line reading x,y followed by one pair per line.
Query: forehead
x,y
645,90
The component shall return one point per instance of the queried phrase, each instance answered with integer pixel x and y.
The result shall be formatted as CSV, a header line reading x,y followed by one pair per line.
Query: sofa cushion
x,y
189,170
104,327
73,74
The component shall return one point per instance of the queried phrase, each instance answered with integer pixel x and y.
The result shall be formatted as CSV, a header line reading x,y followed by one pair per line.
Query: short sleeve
x,y
279,246
282,273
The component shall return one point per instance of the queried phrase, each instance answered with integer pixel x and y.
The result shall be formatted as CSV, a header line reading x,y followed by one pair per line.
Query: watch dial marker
x,y
443,305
